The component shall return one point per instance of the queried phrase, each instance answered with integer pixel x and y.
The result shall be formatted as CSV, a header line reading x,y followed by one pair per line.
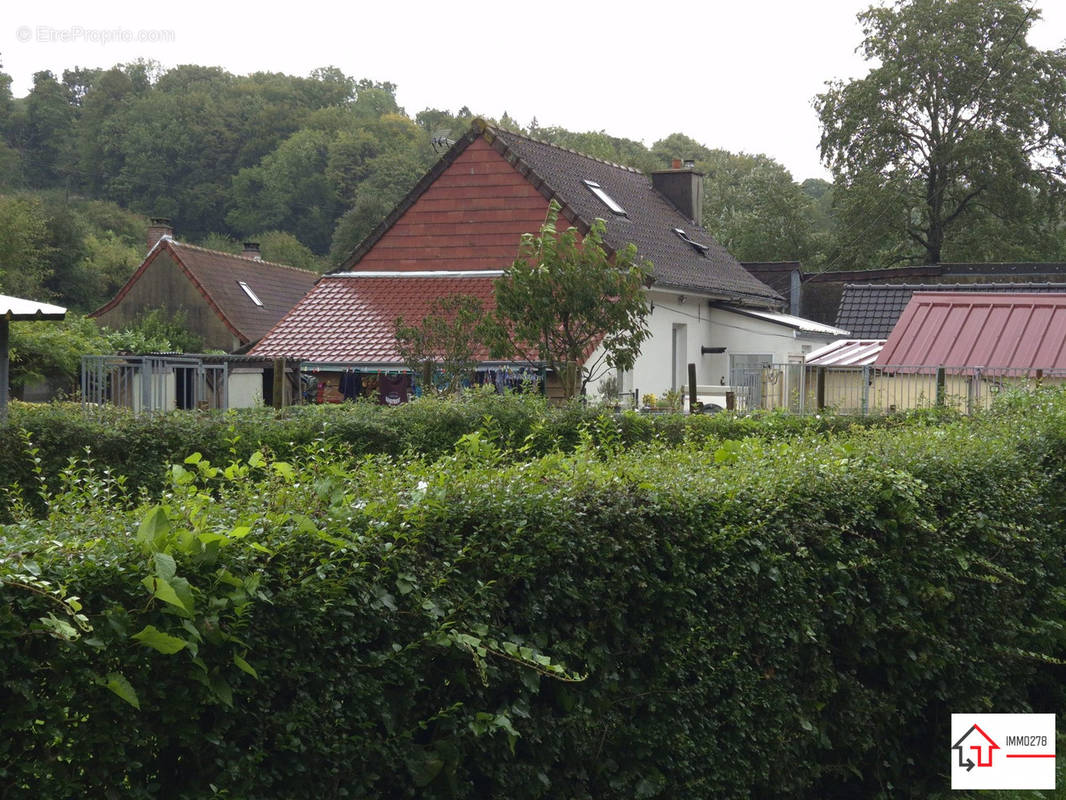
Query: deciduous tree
x,y
958,116
447,340
565,298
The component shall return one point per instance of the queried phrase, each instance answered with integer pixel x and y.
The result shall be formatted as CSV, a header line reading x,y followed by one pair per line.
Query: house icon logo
x,y
977,740
1002,751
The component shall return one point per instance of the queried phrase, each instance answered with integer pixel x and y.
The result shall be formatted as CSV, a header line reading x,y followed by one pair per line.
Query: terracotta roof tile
x,y
649,222
350,318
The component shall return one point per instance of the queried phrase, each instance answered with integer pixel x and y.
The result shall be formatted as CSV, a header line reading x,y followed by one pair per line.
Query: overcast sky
x,y
734,74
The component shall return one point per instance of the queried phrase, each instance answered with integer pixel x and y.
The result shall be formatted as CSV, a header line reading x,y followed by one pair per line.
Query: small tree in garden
x,y
563,296
447,339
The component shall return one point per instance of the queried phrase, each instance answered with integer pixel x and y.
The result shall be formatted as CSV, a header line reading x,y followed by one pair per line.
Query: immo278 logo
x,y
1002,751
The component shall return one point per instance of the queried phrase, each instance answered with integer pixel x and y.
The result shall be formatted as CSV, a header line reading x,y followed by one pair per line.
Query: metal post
x,y
819,391
691,387
865,389
4,373
941,387
973,396
279,383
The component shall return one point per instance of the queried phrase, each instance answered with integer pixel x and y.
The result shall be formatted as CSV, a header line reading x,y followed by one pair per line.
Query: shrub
x,y
782,617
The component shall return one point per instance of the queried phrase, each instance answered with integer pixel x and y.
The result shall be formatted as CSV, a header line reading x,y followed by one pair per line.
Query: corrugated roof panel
x,y
969,333
846,353
17,308
1010,331
798,323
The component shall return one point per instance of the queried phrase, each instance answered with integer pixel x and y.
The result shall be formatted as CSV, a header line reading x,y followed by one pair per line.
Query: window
x,y
605,198
251,295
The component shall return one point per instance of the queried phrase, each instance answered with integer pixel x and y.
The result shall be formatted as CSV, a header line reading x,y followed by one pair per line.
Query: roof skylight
x,y
251,295
605,198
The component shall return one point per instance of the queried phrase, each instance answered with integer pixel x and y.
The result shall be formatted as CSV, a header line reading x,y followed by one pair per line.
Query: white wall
x,y
654,371
245,388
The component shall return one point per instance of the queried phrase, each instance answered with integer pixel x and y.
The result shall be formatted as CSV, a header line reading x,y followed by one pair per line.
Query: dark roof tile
x,y
870,311
217,275
649,221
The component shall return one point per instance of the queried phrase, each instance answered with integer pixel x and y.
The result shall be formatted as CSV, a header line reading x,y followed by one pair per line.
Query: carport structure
x,y
16,309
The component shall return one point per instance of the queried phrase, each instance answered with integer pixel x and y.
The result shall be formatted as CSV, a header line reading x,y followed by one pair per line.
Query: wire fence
x,y
888,389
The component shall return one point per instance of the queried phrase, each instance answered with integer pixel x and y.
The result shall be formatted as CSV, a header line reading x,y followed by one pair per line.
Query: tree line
x,y
949,149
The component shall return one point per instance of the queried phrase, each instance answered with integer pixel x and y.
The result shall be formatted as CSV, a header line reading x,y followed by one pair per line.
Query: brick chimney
x,y
159,227
251,250
682,185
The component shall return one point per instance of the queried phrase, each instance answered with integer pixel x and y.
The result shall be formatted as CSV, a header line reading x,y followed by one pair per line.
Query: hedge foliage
x,y
138,448
787,617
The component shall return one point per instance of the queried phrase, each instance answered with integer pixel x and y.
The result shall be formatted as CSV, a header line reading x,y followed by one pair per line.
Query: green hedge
x,y
793,617
138,448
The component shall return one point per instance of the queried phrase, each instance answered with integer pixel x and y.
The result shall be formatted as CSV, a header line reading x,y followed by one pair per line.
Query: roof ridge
x,y
952,286
528,138
176,243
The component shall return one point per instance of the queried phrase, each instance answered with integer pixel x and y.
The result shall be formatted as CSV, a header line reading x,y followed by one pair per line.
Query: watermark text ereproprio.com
x,y
76,34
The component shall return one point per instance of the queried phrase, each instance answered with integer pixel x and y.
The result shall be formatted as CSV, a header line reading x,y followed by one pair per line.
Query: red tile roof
x,y
963,329
513,178
350,317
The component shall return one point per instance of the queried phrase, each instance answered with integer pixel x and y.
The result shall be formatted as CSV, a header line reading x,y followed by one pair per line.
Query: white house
x,y
461,225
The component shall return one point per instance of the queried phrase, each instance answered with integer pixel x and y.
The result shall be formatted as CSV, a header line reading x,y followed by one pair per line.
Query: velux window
x,y
605,198
251,295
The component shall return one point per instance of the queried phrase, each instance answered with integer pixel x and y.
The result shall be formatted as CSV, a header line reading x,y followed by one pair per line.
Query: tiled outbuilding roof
x,y
870,311
350,317
971,329
219,277
650,221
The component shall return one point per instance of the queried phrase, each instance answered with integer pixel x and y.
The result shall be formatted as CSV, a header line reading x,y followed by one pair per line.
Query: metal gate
x,y
150,384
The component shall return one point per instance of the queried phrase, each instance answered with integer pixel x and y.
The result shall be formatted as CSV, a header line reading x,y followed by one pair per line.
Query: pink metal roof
x,y
971,329
349,317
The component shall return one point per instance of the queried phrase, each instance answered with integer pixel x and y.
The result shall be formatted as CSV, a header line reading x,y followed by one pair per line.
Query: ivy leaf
x,y
157,640
117,683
